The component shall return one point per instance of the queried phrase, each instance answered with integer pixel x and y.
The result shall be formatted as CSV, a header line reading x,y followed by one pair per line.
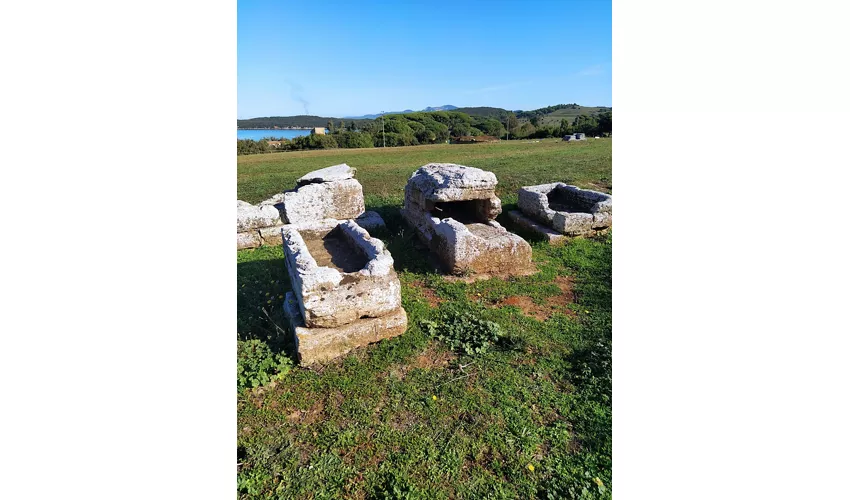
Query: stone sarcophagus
x,y
328,193
557,210
453,210
345,294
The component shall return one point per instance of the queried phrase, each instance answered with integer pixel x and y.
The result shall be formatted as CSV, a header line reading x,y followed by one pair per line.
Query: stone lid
x,y
329,174
445,180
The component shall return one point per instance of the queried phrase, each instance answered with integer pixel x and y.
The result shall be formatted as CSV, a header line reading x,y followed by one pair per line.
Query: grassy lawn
x,y
384,171
408,417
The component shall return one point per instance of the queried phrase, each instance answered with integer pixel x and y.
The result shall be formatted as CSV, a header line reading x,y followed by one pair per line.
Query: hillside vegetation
x,y
411,129
416,417
547,115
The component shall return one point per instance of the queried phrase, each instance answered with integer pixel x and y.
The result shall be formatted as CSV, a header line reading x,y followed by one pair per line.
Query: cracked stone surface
x,y
452,182
339,273
316,345
328,193
329,174
437,195
271,235
340,200
569,210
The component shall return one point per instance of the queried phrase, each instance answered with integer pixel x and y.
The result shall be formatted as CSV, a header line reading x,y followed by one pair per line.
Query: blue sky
x,y
332,58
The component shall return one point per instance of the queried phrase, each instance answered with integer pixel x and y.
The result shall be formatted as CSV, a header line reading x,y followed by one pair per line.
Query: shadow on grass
x,y
409,254
261,289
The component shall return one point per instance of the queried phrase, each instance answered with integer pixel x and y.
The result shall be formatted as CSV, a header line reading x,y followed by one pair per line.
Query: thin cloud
x,y
594,70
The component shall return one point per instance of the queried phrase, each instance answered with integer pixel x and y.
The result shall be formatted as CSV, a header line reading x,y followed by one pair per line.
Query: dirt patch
x,y
429,359
432,358
429,294
403,420
553,304
314,413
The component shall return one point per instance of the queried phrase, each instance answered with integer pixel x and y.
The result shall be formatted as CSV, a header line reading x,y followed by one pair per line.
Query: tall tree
x,y
331,126
565,128
512,124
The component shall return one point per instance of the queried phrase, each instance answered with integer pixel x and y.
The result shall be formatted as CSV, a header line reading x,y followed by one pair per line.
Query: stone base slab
x,y
248,239
319,345
530,225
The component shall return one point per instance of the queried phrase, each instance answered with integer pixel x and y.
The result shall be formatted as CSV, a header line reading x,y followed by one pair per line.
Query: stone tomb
x,y
345,294
557,210
453,210
328,193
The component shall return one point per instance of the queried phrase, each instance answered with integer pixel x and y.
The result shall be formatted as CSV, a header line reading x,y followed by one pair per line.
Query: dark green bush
x,y
248,146
353,140
314,141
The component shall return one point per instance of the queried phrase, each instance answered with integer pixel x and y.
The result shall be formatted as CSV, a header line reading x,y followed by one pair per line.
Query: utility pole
x,y
383,135
508,127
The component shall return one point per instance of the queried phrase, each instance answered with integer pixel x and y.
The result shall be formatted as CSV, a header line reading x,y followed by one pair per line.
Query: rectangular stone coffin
x,y
567,209
452,208
339,273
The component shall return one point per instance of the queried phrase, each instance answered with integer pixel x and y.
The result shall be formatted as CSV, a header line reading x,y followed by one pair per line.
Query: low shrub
x,y
257,365
463,331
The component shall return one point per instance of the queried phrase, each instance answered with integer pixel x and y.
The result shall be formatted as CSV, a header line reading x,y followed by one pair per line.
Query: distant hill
x,y
484,111
550,115
372,117
447,107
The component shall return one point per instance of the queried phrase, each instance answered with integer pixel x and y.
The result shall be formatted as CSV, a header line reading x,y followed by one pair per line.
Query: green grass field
x,y
408,417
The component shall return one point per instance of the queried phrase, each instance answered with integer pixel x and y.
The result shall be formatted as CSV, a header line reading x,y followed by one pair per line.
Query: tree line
x,y
411,129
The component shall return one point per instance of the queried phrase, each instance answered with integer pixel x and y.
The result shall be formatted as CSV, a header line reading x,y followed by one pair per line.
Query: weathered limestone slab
x,y
248,239
370,221
530,225
340,200
532,201
323,344
567,209
453,210
328,193
572,223
601,220
329,174
452,182
254,217
339,273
